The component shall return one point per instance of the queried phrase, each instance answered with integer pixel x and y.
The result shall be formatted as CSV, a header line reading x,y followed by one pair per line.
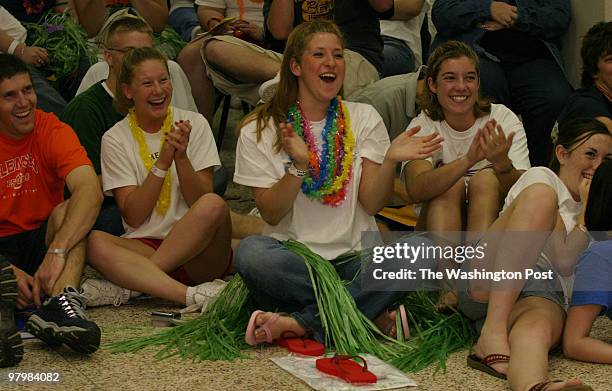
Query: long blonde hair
x,y
287,91
131,60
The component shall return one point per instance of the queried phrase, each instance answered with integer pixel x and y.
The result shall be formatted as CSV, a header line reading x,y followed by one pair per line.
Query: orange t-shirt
x,y
33,171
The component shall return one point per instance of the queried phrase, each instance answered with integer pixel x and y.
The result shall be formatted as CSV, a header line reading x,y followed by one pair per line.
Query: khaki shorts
x,y
359,72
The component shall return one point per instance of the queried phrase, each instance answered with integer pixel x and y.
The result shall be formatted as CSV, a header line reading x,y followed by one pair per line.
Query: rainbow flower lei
x,y
330,170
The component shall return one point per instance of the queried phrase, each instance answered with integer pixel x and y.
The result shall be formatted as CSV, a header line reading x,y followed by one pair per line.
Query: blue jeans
x,y
49,99
278,281
184,20
398,57
537,90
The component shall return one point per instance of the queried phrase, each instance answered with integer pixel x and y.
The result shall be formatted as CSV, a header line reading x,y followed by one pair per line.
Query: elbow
x,y
382,5
280,33
158,27
133,221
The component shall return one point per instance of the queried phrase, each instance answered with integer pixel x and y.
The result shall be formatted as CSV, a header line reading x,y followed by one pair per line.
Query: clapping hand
x,y
294,146
178,138
494,143
407,146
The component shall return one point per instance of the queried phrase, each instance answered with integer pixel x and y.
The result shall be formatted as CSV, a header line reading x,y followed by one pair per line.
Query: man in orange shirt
x,y
41,235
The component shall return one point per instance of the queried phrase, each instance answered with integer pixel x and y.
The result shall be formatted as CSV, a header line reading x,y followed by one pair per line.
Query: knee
x,y
247,256
96,246
483,184
214,51
539,201
190,56
211,208
57,215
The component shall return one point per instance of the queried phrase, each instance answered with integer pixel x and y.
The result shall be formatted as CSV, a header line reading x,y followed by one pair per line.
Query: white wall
x,y
585,13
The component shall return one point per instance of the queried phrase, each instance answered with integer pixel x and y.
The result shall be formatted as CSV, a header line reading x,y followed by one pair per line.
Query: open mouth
x,y
23,114
459,98
157,102
328,77
587,175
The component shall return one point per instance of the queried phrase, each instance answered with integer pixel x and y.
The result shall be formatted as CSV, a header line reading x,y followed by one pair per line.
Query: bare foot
x,y
493,343
560,385
282,325
386,323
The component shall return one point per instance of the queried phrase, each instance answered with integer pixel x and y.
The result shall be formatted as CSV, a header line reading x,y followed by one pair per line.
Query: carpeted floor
x,y
142,372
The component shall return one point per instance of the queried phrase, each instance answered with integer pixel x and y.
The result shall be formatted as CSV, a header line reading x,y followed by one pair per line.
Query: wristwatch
x,y
158,172
296,172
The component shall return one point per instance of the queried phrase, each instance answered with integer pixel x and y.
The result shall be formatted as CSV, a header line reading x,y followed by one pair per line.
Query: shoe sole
x,y
11,345
77,338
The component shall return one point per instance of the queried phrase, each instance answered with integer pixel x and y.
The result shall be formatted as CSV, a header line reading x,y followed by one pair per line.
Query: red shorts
x,y
180,274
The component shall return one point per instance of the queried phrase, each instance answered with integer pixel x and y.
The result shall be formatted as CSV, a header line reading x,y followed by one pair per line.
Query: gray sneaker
x,y
268,88
102,292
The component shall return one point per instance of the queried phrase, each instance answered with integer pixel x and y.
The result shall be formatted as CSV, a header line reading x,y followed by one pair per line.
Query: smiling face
x,y
150,90
17,106
456,87
320,72
581,161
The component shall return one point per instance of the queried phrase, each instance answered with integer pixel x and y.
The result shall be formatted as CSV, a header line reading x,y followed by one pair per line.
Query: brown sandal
x,y
484,364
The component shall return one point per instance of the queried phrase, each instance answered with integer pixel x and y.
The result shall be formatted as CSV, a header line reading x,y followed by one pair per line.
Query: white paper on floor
x,y
305,369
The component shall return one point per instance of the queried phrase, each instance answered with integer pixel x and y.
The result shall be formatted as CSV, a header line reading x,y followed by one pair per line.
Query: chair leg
x,y
223,122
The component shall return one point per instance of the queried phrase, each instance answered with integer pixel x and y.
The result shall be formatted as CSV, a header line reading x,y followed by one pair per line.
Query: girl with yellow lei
x,y
158,164
320,168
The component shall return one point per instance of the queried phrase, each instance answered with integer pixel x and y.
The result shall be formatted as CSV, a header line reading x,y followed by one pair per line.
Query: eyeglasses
x,y
123,50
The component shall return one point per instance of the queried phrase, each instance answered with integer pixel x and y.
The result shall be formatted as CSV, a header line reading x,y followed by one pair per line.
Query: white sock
x,y
189,297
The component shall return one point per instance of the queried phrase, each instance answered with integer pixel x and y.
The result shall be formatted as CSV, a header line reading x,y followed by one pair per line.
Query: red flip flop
x,y
300,345
346,369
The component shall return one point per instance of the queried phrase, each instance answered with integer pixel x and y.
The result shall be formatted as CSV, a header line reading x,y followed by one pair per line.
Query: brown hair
x,y
132,59
287,91
428,101
573,133
125,23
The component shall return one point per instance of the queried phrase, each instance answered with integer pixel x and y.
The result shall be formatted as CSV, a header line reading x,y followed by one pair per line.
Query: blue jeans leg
x,y
184,20
398,57
49,99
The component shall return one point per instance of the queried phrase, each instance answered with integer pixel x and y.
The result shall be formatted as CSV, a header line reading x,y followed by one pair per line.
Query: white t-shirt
x,y
456,144
408,31
568,207
328,231
181,89
12,26
253,12
122,166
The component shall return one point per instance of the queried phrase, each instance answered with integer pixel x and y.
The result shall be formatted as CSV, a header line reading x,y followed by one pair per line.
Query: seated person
x,y
184,19
158,164
401,35
594,99
518,43
592,294
280,156
92,113
483,153
249,22
93,14
135,33
357,20
522,318
12,41
41,235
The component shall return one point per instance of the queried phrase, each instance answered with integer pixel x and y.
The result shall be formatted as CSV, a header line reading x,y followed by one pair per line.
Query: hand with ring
x,y
32,55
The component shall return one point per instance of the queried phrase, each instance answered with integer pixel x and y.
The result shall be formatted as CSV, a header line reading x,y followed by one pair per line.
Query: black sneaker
x,y
11,346
61,319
